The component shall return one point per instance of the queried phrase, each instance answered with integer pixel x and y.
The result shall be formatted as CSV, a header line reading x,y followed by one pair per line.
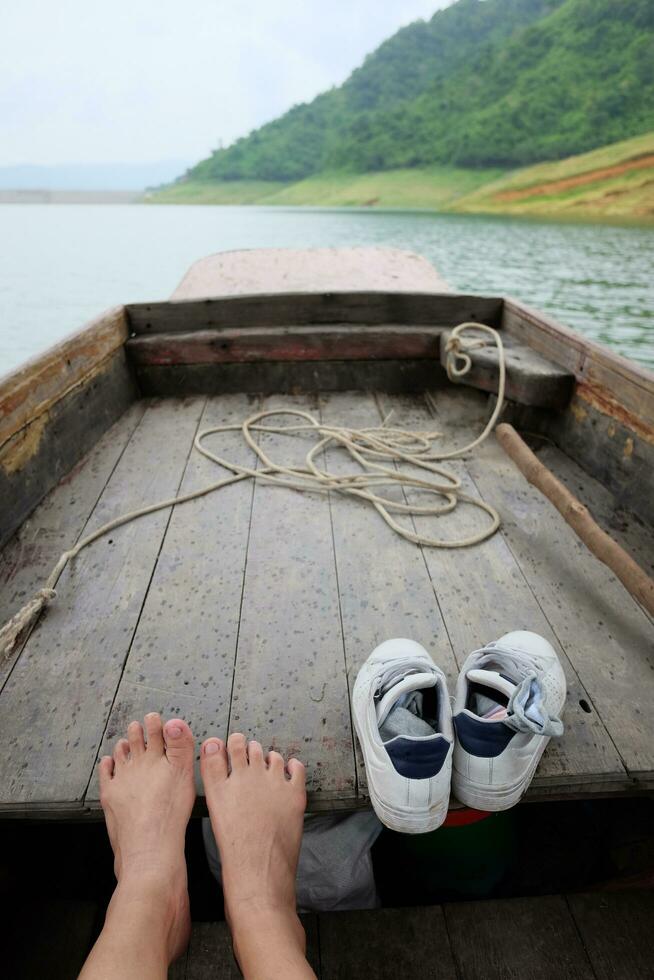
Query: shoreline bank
x,y
615,182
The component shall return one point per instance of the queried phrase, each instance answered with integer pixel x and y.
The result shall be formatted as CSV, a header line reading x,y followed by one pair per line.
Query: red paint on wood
x,y
292,344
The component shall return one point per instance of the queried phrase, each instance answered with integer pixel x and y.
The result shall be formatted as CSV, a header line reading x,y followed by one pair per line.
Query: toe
x,y
135,739
296,772
121,751
180,744
106,769
275,762
154,730
237,748
213,761
255,753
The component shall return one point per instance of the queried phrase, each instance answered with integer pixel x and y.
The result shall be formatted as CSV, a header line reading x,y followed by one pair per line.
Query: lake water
x,y
62,264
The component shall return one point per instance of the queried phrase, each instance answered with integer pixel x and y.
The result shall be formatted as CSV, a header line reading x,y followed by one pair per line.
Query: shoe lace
x,y
526,711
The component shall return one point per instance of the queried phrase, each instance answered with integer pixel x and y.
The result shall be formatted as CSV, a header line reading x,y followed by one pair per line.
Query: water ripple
x,y
60,264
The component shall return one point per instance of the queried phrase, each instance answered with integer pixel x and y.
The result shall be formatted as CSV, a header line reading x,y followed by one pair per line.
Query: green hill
x,y
615,182
483,84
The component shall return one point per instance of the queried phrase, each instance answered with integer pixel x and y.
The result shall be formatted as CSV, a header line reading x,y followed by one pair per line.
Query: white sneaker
x,y
403,719
508,699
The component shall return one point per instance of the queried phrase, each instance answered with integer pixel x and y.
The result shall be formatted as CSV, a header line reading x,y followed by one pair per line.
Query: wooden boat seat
x,y
531,379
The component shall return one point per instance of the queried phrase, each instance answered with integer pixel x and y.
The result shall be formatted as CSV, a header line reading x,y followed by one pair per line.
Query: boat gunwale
x,y
40,382
44,379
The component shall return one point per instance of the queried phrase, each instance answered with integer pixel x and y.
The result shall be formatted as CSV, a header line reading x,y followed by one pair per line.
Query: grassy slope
x,y
627,192
533,190
215,192
434,188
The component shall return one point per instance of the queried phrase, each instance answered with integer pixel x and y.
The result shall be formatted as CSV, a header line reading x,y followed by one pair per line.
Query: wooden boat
x,y
251,608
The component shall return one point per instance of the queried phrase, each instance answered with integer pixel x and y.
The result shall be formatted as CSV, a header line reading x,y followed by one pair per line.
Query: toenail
x,y
211,747
174,731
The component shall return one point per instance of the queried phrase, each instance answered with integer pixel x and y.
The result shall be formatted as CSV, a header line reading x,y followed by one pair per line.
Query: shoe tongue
x,y
494,680
410,682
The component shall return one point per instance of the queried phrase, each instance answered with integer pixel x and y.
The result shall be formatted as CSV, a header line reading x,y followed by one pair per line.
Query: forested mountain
x,y
484,83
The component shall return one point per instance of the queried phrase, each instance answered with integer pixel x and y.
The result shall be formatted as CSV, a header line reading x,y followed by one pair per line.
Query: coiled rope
x,y
371,448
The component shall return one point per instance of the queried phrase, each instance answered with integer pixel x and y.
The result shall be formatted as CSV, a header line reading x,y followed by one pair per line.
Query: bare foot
x,y
147,795
256,808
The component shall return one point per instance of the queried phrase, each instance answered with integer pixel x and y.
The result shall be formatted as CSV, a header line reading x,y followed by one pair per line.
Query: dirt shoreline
x,y
642,162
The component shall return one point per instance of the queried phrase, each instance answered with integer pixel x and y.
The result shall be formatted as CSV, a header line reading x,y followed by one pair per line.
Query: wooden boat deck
x,y
252,609
595,936
600,936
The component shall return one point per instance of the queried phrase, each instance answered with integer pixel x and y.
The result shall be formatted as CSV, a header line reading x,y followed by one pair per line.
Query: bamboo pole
x,y
602,545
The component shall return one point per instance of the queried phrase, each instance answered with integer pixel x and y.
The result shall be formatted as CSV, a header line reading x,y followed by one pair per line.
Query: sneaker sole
x,y
416,822
480,796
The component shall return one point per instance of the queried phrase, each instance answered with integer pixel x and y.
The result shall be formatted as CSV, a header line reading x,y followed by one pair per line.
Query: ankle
x,y
149,893
146,889
153,866
147,905
259,930
244,912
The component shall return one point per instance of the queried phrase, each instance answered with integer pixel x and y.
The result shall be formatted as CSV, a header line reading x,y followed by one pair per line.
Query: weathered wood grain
x,y
297,309
384,587
326,564
608,638
386,943
609,424
617,929
286,344
177,970
290,689
264,270
47,937
34,459
521,937
56,524
616,452
531,379
578,517
182,657
289,377
37,385
596,936
54,707
210,953
607,509
483,593
210,957
629,385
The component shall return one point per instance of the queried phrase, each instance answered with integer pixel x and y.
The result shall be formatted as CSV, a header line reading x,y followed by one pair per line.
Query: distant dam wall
x,y
69,197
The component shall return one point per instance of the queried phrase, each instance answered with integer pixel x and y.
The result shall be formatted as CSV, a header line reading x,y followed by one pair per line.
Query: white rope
x,y
371,448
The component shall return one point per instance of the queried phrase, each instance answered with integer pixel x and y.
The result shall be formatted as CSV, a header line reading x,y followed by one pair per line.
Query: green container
x,y
465,858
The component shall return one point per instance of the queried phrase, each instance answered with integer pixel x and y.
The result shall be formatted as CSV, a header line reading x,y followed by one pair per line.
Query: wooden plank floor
x,y
254,607
483,594
599,936
595,936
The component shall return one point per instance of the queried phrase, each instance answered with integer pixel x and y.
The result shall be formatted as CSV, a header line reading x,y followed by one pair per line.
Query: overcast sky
x,y
141,80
